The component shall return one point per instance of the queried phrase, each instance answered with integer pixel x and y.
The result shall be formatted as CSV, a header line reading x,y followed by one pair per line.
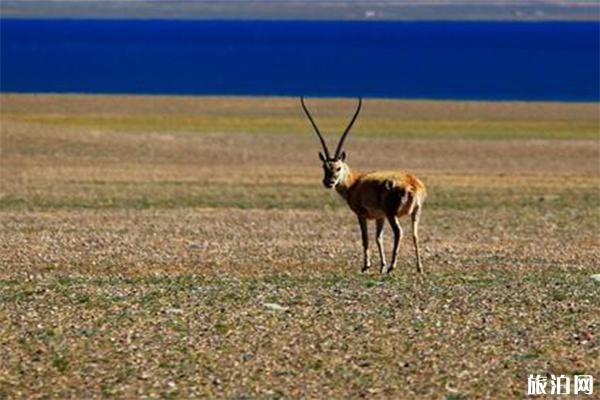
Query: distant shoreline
x,y
208,96
298,20
357,10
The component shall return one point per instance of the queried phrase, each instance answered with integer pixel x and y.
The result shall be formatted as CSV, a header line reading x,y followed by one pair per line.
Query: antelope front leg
x,y
379,239
365,240
393,220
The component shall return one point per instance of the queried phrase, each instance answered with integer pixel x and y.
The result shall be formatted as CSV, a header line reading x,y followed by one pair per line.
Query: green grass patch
x,y
341,329
383,126
173,195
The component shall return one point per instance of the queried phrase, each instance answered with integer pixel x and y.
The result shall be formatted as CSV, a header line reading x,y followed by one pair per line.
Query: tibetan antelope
x,y
378,195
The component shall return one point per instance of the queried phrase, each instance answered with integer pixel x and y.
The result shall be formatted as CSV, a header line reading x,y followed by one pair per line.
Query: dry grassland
x,y
144,241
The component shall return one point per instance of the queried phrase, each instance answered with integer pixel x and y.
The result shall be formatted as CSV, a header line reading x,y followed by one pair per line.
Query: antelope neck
x,y
350,178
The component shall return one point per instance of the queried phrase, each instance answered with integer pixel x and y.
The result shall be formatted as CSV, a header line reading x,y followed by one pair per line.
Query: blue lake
x,y
557,61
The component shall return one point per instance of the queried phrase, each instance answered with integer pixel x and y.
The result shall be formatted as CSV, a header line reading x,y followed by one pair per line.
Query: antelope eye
x,y
338,169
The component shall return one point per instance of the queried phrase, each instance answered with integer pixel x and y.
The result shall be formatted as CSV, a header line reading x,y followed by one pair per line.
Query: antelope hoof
x,y
385,270
365,268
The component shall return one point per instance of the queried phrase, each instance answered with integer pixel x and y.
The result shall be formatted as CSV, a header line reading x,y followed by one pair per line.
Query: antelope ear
x,y
321,156
343,156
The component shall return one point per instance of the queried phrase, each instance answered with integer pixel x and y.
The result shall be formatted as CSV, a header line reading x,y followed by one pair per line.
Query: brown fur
x,y
378,194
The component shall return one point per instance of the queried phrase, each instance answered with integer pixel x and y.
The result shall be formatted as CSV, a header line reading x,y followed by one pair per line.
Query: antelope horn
x,y
325,149
341,143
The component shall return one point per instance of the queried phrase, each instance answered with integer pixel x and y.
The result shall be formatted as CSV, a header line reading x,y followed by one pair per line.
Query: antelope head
x,y
335,169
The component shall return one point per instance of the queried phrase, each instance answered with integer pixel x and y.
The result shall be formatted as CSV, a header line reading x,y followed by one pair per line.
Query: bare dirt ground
x,y
165,247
